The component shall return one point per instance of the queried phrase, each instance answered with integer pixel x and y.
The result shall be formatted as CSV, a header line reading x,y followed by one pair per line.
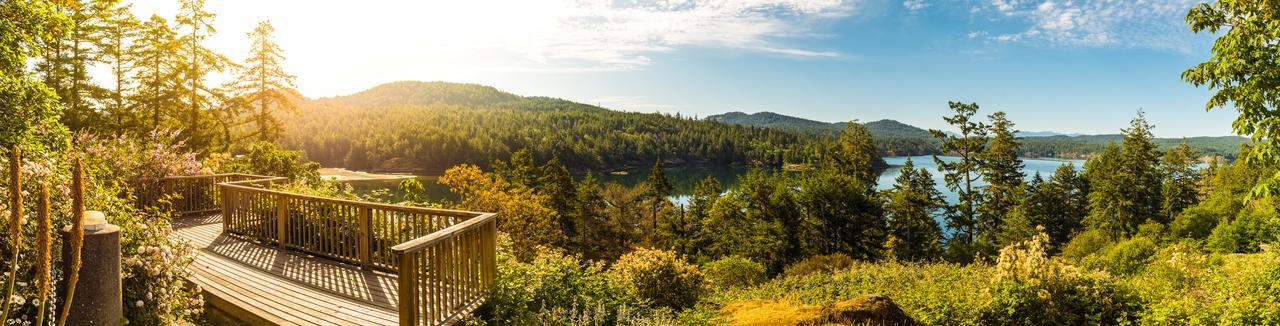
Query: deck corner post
x,y
282,220
363,244
407,292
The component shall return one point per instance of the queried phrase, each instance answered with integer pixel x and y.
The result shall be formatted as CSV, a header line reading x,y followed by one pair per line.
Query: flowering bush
x,y
733,272
661,278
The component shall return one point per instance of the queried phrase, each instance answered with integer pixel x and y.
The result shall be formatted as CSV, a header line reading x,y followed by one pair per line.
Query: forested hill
x,y
891,137
896,138
431,126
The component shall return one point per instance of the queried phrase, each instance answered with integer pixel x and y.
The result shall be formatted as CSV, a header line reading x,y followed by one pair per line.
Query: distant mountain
x,y
892,137
409,93
1028,134
896,138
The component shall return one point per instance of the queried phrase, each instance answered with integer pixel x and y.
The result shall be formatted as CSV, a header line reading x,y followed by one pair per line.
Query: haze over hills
x,y
1035,143
412,126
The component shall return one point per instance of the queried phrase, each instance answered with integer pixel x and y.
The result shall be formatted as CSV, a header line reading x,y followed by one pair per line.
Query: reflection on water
x,y
686,177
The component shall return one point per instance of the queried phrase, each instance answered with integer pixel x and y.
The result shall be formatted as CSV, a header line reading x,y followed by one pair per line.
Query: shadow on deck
x,y
260,284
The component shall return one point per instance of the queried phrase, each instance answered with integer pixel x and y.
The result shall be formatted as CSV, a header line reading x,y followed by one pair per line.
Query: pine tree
x,y
910,210
1181,180
704,195
119,29
1107,195
156,70
856,154
1002,170
263,84
195,25
961,174
1138,168
660,189
561,191
67,62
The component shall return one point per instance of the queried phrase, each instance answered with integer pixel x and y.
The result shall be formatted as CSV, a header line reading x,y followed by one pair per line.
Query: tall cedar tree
x,y
1181,180
704,195
121,27
195,25
660,189
264,85
67,61
156,71
913,202
1138,166
558,185
1243,72
1107,207
856,154
1001,168
961,174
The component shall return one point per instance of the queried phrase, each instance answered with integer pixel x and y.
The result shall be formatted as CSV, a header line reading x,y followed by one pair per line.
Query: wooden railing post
x,y
282,220
363,247
408,288
226,207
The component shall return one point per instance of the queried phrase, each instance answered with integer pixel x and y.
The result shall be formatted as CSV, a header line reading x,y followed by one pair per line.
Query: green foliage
x,y
819,264
659,278
1242,71
1122,258
551,280
1001,169
960,175
1196,222
425,127
912,204
732,272
264,158
1253,227
1032,289
1181,179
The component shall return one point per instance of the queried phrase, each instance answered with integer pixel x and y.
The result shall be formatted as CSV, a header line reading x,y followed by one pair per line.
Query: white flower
x,y
17,300
137,303
148,295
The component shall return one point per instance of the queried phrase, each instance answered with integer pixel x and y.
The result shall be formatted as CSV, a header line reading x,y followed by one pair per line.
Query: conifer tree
x,y
67,61
1181,180
1002,170
119,29
1138,167
156,71
660,189
263,85
194,26
960,175
856,154
1107,207
910,210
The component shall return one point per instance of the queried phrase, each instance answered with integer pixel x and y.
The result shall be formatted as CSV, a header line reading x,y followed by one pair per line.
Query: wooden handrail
x,y
445,259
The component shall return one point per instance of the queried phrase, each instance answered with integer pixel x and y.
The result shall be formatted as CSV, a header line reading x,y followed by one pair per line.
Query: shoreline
x,y
340,174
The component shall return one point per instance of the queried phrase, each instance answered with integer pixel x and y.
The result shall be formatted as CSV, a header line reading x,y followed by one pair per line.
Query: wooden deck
x,y
264,285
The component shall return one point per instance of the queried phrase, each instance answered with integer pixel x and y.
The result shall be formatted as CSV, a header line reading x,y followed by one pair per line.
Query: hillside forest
x,y
1140,234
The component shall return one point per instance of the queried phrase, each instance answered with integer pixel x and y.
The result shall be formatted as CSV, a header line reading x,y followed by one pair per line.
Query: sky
x,y
1072,66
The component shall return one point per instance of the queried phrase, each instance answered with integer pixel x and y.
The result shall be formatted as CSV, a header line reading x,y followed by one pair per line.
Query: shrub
x,y
265,158
819,264
551,281
1196,222
1031,289
659,277
1084,244
732,272
1122,258
1187,286
1250,229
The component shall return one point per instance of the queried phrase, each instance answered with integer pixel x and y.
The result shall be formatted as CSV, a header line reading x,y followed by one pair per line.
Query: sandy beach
x,y
340,174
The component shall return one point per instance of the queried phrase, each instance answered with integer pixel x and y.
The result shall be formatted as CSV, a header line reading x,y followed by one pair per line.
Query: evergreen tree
x,y
263,84
961,174
856,154
660,189
1002,170
1181,180
1107,194
67,62
1139,171
910,212
1074,206
120,28
703,197
195,25
841,215
156,70
561,192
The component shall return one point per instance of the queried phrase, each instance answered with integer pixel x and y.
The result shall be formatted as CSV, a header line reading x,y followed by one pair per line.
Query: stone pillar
x,y
97,298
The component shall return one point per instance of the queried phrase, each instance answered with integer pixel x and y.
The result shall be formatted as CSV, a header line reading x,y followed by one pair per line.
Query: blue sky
x,y
1080,66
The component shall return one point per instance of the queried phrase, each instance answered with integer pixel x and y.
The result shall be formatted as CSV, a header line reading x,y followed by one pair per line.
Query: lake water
x,y
685,178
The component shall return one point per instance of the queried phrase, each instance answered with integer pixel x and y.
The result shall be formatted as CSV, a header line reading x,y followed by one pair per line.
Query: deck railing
x,y
445,259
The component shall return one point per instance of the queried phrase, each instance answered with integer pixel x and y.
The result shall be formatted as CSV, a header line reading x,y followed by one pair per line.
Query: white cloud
x,y
623,33
1154,24
914,5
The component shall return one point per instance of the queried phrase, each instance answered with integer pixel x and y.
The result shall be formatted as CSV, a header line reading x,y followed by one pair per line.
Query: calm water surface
x,y
685,178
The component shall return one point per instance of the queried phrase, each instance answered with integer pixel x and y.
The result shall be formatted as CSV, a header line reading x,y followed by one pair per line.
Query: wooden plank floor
x,y
263,285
